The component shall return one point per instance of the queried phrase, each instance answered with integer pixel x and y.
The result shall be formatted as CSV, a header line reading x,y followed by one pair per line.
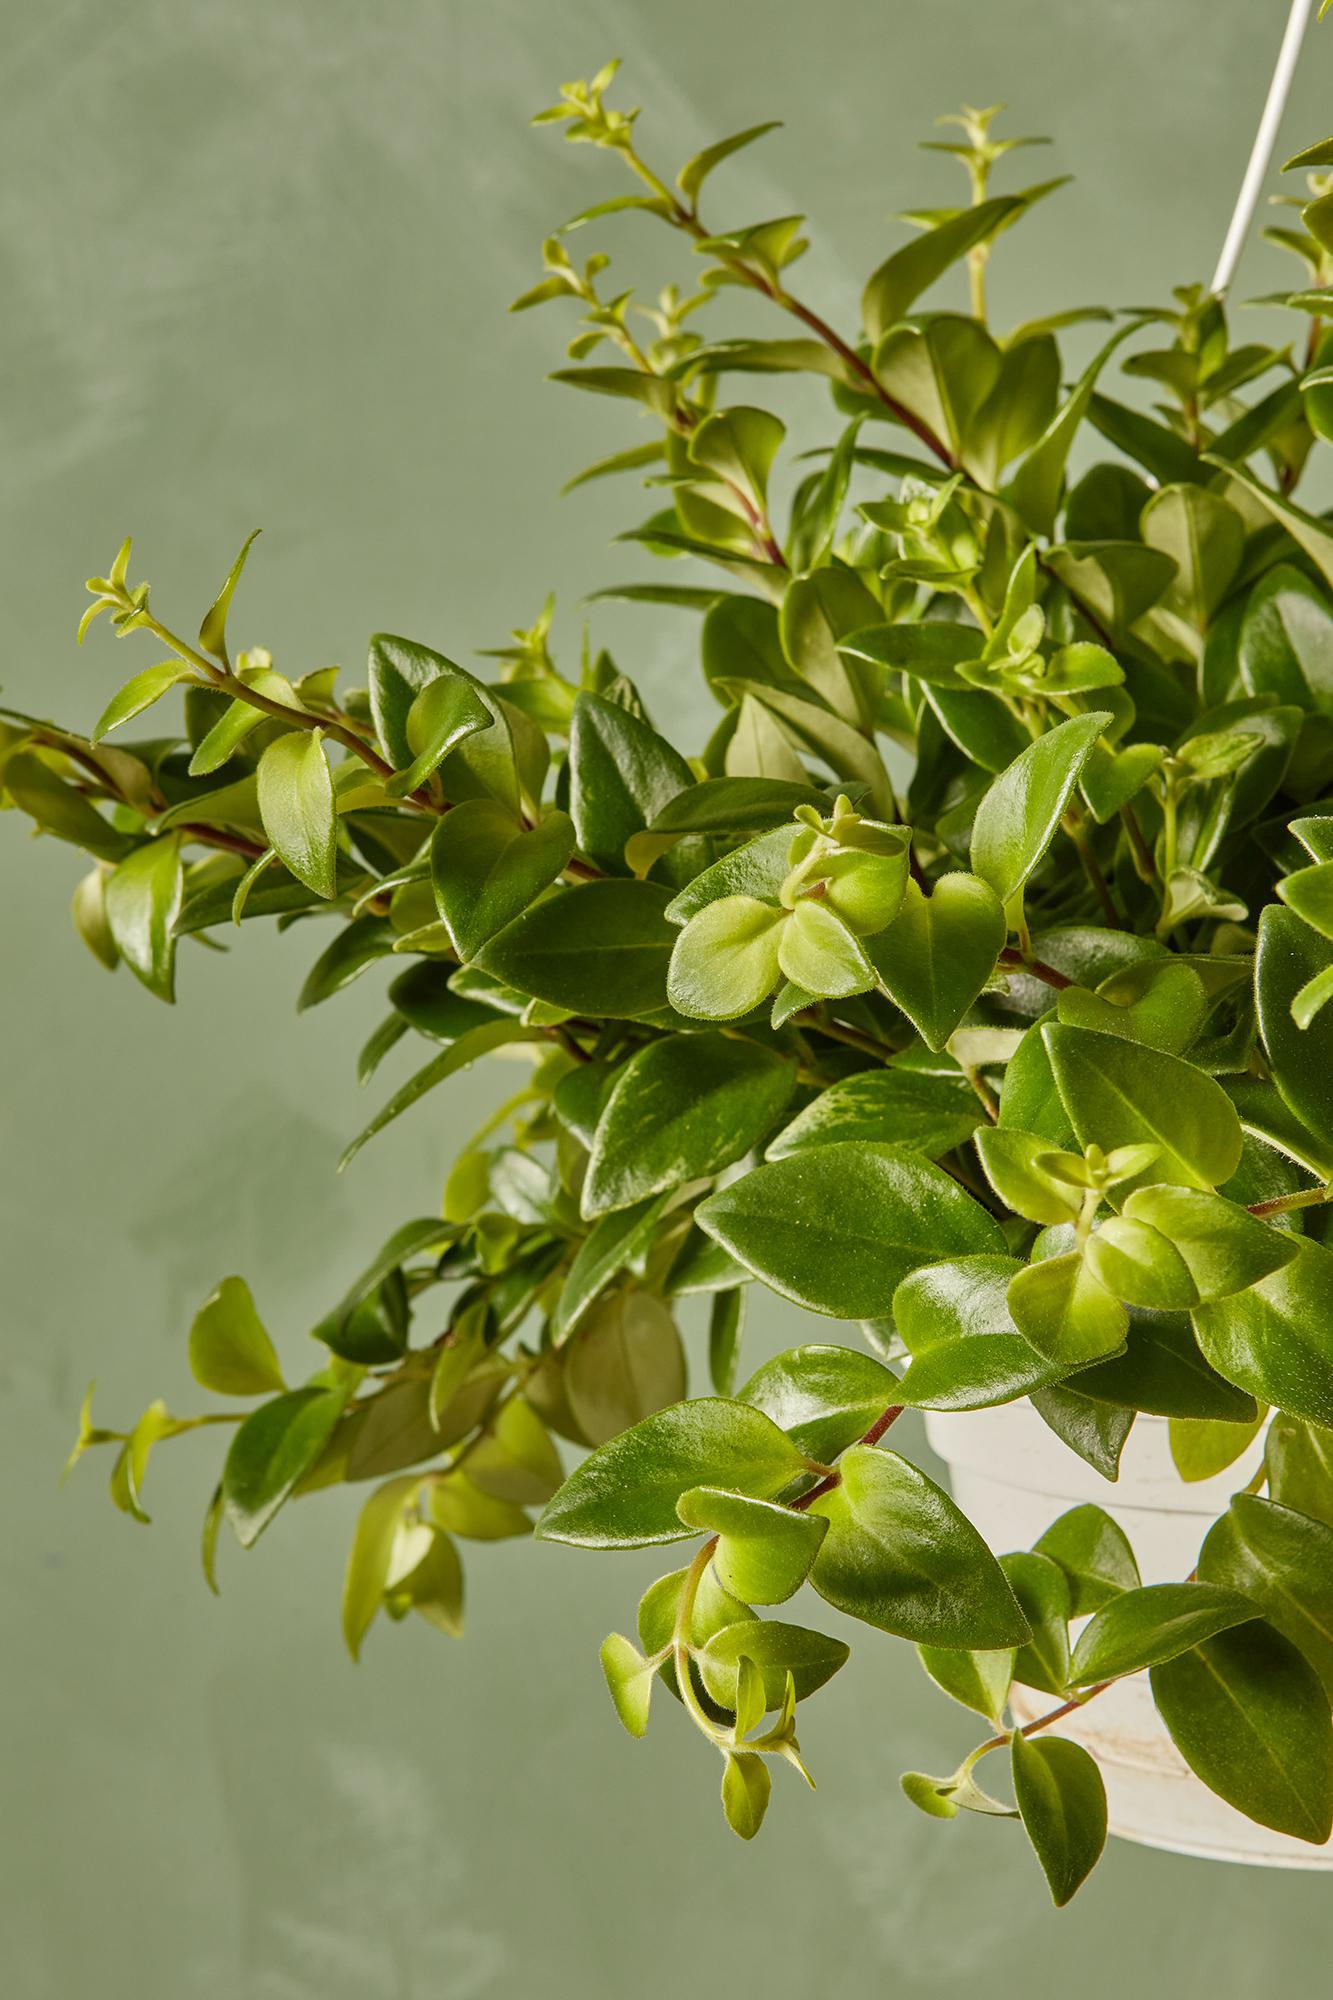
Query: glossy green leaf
x,y
1062,1310
1276,1339
274,1448
602,947
746,1785
1095,1555
811,1658
1298,1459
1020,813
837,1228
825,1398
682,1109
444,714
624,1495
966,1352
487,868
1249,1716
1062,1801
1119,1093
1284,1562
939,951
901,1556
1225,1248
629,1677
1286,641
622,775
137,695
1142,1628
143,896
478,1041
1290,956
296,805
213,630
369,1560
979,1681
901,278
764,1551
890,1107
1042,1591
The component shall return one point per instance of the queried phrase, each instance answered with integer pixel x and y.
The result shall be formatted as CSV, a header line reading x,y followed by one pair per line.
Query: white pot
x,y
1011,1476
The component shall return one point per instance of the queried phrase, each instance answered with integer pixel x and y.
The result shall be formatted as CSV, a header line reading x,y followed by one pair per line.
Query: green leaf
x,y
1283,1562
892,1107
746,1785
838,1228
1203,1447
1286,641
1298,1459
938,953
434,1588
682,1109
58,809
630,1679
1250,1718
444,714
1020,813
1139,1266
966,1352
726,1321
1012,1161
624,1495
819,954
1307,530
980,1681
811,1658
1162,1370
1036,485
764,1551
1225,1248
622,775
364,942
487,868
1062,1801
696,171
625,1361
458,1055
615,1243
213,631
1119,1093
1205,538
901,1556
1142,1628
1095,1555
654,391
1064,1313
1276,1339
601,948
296,805
139,694
275,1446
929,650
371,1555
1042,1591
143,898
825,1398
1290,956
1096,1431
230,1352
725,961
901,278
482,765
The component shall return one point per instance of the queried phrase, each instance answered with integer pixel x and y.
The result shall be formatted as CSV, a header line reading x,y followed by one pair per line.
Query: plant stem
x,y
1043,1721
1282,1204
1018,961
1092,868
834,1478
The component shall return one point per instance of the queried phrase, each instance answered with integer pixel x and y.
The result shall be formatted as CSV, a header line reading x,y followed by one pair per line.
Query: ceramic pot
x,y
1012,1477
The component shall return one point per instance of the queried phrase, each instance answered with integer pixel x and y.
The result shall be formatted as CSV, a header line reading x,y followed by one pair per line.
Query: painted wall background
x,y
256,256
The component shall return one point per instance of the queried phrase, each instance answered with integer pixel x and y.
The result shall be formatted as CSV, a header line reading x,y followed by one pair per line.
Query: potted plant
x,y
969,982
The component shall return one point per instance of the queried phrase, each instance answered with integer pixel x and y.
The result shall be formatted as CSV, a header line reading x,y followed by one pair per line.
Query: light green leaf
x,y
1276,1339
143,898
296,805
139,694
213,631
275,1446
764,1551
1119,1093
624,1495
1142,1628
939,951
230,1352
1020,813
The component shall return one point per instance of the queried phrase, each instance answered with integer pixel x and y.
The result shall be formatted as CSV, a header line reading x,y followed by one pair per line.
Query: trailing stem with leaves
x,y
970,983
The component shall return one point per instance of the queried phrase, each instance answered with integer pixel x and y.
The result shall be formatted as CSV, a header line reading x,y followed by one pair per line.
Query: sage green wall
x,y
256,255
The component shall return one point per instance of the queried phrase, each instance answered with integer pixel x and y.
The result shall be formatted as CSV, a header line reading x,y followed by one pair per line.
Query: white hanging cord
x,y
1264,141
